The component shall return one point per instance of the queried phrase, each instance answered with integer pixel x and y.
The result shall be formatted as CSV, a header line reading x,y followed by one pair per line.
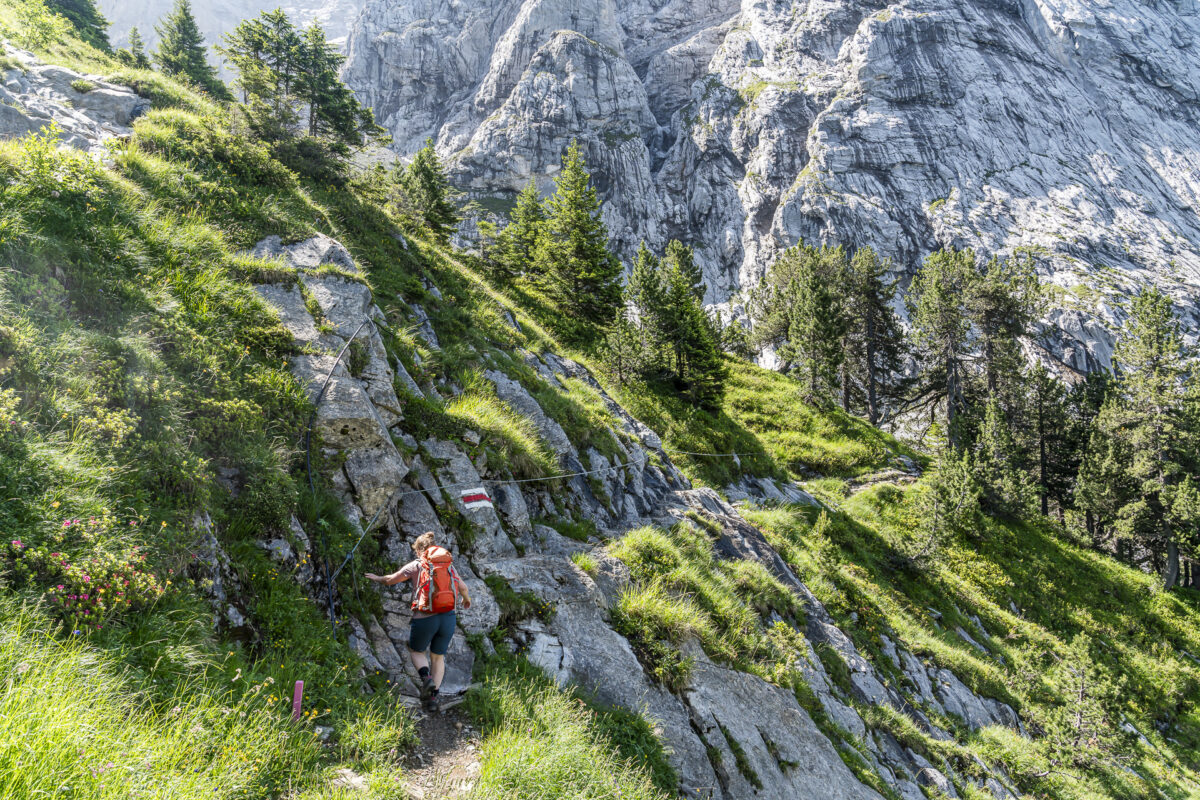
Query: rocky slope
x,y
35,97
730,734
1065,129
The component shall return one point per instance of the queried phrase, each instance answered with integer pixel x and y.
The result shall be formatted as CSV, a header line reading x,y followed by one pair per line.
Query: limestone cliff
x,y
729,734
1065,129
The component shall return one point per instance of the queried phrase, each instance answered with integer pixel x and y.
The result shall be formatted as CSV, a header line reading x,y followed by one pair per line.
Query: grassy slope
x,y
136,362
1133,638
126,408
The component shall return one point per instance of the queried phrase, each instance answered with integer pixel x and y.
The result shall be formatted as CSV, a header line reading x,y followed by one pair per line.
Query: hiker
x,y
436,588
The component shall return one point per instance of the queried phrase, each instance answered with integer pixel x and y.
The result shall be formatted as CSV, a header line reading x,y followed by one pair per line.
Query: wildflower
x,y
17,544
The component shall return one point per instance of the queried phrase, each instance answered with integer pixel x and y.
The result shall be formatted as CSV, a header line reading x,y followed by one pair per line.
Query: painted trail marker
x,y
297,700
476,498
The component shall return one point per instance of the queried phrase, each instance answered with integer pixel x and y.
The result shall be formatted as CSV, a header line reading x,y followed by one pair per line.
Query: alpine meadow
x,y
559,399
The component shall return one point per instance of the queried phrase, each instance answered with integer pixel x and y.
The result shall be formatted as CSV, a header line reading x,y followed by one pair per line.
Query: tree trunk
x,y
1042,459
872,398
845,387
1171,573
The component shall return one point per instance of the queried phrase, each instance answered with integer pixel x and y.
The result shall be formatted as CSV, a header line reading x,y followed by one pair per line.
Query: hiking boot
x,y
426,687
433,703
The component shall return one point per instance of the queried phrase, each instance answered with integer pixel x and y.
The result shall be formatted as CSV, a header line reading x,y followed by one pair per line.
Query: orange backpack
x,y
435,582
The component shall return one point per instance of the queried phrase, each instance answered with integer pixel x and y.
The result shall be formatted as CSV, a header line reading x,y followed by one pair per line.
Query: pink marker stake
x,y
297,701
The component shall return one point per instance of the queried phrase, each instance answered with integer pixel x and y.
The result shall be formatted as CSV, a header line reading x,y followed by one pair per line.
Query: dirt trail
x,y
446,763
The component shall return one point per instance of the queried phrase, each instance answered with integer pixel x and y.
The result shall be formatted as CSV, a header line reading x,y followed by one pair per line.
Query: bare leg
x,y
438,669
418,659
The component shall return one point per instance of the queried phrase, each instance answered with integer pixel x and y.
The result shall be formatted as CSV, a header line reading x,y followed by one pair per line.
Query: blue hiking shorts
x,y
432,633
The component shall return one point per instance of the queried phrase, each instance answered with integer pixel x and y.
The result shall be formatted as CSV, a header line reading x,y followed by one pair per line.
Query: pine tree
x,y
997,465
818,320
874,349
681,257
941,327
426,191
518,245
1003,302
334,112
947,502
582,276
646,296
1146,434
89,23
181,50
1054,437
137,50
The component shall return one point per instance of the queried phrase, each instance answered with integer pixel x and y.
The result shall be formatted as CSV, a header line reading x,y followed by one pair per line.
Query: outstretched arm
x,y
387,580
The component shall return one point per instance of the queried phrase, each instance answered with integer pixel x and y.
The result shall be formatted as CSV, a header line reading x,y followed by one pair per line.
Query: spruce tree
x,y
89,23
874,350
1003,301
947,502
518,243
334,113
818,320
941,327
799,310
1055,438
997,465
582,276
646,296
1144,434
681,257
622,348
181,51
424,187
137,50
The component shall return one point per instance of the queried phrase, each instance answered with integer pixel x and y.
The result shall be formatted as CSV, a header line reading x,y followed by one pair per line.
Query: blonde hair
x,y
423,543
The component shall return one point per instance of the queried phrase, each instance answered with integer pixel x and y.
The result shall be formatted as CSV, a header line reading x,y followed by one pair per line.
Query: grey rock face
x,y
36,96
768,744
783,749
1065,130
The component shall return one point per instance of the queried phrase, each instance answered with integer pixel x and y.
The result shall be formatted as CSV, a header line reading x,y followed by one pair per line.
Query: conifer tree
x,y
334,112
1055,438
681,257
622,347
134,55
518,243
947,502
941,327
424,187
181,50
89,23
1144,438
799,310
582,276
674,337
997,465
1082,725
646,296
1003,300
874,350
818,321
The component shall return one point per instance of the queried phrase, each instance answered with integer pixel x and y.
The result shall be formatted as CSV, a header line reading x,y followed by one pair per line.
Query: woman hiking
x,y
436,589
